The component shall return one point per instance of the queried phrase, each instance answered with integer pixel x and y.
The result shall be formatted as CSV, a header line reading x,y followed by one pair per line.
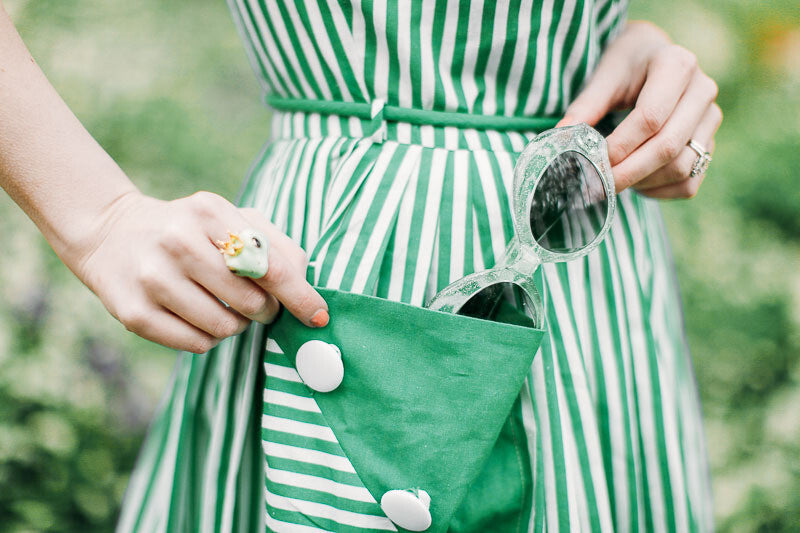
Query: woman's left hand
x,y
672,101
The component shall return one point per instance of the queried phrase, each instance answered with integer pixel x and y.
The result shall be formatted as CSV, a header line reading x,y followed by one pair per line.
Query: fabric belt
x,y
378,113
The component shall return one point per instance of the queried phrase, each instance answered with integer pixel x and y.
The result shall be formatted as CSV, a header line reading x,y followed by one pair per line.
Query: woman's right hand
x,y
155,267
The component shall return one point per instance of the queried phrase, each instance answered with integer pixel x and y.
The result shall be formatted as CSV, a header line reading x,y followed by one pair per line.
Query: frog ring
x,y
246,253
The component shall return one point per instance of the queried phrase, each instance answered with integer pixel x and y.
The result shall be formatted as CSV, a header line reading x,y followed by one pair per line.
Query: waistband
x,y
299,118
379,111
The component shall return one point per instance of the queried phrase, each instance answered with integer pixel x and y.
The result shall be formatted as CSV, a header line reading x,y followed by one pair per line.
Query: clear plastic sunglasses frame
x,y
524,253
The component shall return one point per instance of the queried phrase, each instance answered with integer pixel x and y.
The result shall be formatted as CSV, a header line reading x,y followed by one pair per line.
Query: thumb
x,y
596,99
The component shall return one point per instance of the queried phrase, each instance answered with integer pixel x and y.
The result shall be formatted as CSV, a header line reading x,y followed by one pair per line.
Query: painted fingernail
x,y
320,319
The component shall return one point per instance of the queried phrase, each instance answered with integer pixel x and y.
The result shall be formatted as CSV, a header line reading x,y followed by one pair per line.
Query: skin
x,y
671,101
154,264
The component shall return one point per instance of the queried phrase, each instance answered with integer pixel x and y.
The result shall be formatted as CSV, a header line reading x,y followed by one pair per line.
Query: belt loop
x,y
377,123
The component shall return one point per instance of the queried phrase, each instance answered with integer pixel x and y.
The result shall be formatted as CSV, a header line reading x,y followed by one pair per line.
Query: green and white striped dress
x,y
608,423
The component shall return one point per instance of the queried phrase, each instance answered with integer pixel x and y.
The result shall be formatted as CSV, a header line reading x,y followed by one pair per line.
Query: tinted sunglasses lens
x,y
569,205
495,303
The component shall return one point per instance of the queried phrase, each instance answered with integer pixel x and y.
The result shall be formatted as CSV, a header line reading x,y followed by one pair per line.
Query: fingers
x,y
600,95
163,327
670,141
191,302
207,267
685,186
668,75
680,167
286,275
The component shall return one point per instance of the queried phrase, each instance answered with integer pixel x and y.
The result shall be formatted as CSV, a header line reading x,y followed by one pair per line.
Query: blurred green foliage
x,y
165,88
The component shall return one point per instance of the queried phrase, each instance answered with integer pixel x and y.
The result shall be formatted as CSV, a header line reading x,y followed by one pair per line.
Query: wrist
x,y
76,242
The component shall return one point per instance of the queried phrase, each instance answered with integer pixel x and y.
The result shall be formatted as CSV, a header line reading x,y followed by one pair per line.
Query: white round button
x,y
320,365
407,509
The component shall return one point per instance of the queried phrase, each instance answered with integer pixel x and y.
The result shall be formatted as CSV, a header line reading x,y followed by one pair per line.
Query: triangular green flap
x,y
424,393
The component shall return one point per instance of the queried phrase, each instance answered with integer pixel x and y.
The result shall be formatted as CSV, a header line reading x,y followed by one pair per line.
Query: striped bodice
x,y
506,57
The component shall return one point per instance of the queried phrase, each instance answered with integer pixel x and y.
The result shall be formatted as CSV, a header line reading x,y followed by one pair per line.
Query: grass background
x,y
166,89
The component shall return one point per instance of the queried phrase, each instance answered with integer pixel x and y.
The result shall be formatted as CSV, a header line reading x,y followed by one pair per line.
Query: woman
x,y
607,430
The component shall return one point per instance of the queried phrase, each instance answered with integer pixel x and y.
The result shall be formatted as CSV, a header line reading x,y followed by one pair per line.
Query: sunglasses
x,y
563,205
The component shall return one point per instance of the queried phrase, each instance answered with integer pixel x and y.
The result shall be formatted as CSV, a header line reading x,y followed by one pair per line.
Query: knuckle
x,y
251,212
684,58
200,344
668,148
224,326
304,300
205,203
678,170
711,86
173,239
688,189
151,276
134,319
716,110
276,274
652,119
253,302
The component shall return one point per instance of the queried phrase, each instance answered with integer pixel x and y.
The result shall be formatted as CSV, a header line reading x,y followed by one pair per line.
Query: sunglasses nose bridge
x,y
525,261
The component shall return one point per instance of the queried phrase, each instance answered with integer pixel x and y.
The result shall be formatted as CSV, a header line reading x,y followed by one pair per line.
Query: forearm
x,y
49,164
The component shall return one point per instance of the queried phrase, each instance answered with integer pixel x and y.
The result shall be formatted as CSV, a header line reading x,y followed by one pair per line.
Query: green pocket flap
x,y
424,394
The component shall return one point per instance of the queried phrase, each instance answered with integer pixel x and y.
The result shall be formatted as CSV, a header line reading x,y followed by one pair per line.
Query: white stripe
x,y
304,429
430,217
402,238
542,49
299,191
564,24
529,423
383,225
381,74
303,403
470,48
446,56
359,214
282,372
240,419
326,49
305,455
427,70
627,373
272,346
317,191
307,53
403,47
495,209
577,55
289,50
321,510
321,484
254,53
641,371
285,527
271,48
551,499
489,100
521,53
582,396
615,419
458,229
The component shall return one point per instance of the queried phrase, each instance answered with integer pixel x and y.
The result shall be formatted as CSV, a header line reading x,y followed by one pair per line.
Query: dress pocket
x,y
423,396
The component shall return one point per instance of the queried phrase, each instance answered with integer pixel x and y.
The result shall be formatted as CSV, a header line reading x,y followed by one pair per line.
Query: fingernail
x,y
566,121
320,319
